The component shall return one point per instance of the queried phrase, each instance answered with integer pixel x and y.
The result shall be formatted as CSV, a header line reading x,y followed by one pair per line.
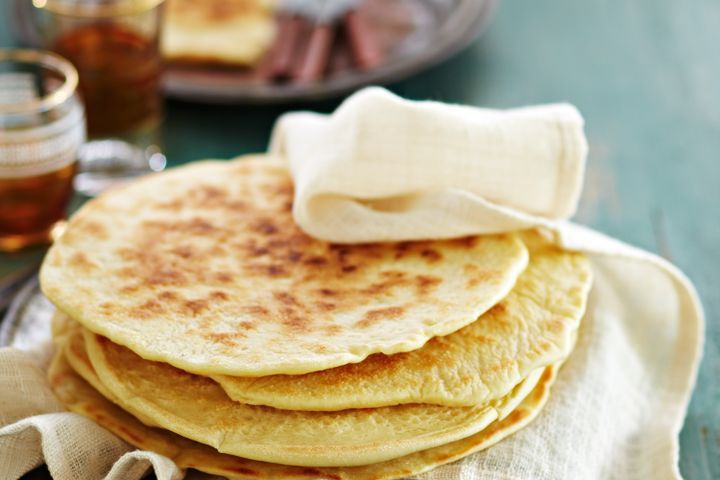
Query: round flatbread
x,y
534,326
202,267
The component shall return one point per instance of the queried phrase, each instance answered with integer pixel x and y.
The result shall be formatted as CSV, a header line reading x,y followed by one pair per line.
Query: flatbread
x,y
196,407
202,267
531,328
81,398
229,32
72,346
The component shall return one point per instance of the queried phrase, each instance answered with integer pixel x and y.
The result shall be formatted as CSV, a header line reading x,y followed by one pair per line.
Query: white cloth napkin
x,y
382,168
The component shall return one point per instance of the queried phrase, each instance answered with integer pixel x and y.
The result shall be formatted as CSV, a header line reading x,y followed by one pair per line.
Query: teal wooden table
x,y
646,76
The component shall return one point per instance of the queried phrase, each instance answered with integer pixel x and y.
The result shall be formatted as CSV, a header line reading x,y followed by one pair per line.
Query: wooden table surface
x,y
646,76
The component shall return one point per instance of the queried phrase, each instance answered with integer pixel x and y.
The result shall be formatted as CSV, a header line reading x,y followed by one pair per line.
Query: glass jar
x,y
42,126
114,45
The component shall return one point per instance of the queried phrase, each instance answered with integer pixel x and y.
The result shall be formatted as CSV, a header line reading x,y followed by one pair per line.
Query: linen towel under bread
x,y
382,168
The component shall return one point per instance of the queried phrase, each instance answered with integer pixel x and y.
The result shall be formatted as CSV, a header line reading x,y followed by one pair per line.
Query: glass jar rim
x,y
96,8
50,61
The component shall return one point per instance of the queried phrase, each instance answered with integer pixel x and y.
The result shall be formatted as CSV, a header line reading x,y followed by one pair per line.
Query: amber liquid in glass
x,y
119,78
31,206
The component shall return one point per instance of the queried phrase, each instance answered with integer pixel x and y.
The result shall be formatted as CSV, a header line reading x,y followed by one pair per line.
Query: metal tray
x,y
27,321
447,26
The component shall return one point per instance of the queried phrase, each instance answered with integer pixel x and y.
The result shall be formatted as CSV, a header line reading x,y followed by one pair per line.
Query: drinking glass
x,y
42,125
114,44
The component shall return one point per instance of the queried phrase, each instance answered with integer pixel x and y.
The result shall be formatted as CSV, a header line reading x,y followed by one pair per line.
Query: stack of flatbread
x,y
196,320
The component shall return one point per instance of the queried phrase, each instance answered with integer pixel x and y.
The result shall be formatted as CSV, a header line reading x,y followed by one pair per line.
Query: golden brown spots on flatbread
x,y
169,296
219,295
470,269
484,339
85,228
211,192
94,229
107,307
326,306
390,279
426,283
229,339
294,256
129,289
315,261
373,316
254,250
316,347
147,309
183,251
476,276
213,197
256,310
164,276
287,298
224,277
276,270
464,243
331,330
293,321
264,226
195,225
81,261
401,249
430,255
501,366
197,306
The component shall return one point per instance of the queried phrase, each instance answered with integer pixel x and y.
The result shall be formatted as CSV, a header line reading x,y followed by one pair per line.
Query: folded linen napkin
x,y
619,402
384,168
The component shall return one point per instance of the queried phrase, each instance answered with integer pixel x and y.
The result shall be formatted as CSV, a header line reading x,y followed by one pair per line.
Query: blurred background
x,y
644,73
